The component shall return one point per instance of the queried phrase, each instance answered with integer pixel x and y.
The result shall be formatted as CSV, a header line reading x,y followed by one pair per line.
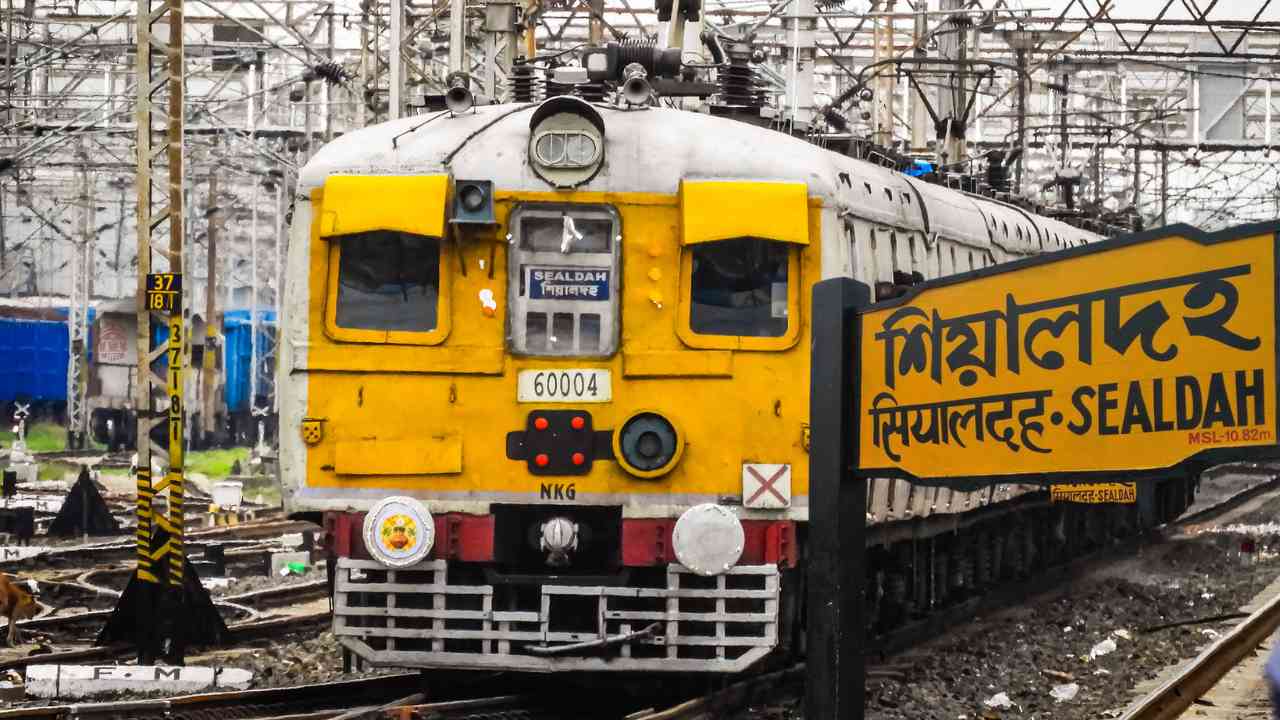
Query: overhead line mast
x,y
161,618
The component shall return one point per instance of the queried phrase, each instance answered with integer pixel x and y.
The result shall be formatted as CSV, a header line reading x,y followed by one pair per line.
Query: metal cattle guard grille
x,y
413,616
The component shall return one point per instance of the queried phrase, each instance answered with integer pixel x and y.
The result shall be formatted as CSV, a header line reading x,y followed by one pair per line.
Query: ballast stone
x,y
79,681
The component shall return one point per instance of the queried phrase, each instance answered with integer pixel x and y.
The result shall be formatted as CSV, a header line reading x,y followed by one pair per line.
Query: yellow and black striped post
x,y
144,526
174,480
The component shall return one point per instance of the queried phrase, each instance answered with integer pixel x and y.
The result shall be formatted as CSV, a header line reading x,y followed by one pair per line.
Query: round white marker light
x,y
708,539
399,532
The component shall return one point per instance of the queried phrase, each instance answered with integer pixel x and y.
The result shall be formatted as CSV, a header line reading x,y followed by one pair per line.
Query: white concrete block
x,y
78,681
28,472
216,583
16,553
280,560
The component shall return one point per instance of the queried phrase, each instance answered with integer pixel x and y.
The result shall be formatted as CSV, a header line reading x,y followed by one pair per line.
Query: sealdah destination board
x,y
1134,354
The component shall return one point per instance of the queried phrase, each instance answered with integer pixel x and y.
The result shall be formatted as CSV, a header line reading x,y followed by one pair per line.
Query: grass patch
x,y
57,470
215,463
267,495
41,437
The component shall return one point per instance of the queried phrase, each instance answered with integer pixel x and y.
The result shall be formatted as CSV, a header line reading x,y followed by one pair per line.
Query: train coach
x,y
236,394
545,374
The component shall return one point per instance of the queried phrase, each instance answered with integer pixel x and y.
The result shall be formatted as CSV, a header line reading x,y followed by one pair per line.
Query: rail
x,y
235,703
236,633
732,698
1179,693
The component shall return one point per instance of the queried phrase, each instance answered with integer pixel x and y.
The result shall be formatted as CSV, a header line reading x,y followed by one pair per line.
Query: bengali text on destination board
x,y
1136,356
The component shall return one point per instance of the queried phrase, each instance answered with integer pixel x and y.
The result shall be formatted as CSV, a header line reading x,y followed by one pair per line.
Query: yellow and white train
x,y
545,374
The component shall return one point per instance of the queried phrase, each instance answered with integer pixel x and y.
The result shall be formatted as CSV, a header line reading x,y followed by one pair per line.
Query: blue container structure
x,y
238,354
33,358
33,361
33,365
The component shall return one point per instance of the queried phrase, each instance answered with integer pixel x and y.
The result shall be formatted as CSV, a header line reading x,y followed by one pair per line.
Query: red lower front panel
x,y
645,542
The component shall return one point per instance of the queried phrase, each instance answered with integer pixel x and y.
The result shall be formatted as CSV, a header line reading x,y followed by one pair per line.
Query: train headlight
x,y
399,532
558,537
647,445
566,141
708,539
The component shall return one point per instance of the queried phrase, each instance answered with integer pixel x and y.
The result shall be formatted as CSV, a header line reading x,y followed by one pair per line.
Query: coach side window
x,y
388,281
740,287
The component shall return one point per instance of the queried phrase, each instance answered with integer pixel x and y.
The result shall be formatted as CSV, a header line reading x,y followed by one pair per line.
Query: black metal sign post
x,y
835,683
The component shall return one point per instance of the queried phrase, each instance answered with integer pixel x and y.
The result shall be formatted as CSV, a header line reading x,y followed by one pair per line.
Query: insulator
x,y
656,61
522,82
551,88
591,92
739,85
331,72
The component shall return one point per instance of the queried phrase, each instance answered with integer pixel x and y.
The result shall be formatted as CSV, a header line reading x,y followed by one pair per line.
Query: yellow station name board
x,y
1095,493
1132,354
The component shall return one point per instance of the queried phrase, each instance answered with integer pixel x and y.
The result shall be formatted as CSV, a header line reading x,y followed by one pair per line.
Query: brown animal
x,y
15,604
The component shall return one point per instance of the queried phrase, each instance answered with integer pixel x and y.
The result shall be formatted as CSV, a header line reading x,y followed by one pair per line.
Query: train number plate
x,y
568,386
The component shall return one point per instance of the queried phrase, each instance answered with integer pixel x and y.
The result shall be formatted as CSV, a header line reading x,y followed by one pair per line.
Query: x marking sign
x,y
766,486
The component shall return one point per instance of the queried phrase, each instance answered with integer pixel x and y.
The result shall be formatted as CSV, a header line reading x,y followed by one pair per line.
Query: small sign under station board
x,y
1095,493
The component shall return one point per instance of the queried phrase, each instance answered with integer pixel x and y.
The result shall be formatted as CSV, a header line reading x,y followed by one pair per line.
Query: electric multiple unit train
x,y
545,377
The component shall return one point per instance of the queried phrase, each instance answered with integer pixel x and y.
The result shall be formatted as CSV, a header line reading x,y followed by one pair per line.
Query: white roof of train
x,y
652,150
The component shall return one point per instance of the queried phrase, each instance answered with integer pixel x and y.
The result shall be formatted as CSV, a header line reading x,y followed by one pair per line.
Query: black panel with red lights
x,y
559,442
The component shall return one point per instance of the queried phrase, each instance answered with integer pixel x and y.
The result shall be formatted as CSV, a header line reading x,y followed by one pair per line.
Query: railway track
x,y
1173,697
87,453
402,695
236,704
769,686
499,707
237,633
246,538
729,699
251,604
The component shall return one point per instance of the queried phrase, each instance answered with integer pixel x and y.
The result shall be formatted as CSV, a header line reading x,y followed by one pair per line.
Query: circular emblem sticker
x,y
398,531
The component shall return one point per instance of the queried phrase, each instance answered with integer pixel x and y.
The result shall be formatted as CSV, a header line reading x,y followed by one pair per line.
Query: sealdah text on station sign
x,y
1138,353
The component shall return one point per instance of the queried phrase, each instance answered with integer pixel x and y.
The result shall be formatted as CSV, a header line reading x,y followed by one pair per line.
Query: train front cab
x,y
599,402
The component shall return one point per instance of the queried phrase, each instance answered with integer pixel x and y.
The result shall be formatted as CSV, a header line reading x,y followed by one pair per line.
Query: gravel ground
x,y
1030,652
1022,652
294,662
243,583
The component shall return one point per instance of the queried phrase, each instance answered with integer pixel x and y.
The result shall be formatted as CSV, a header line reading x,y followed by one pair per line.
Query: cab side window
x,y
739,287
388,280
